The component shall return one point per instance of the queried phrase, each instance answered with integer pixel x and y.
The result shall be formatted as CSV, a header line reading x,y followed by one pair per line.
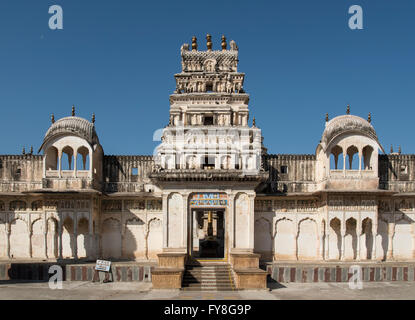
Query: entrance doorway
x,y
208,233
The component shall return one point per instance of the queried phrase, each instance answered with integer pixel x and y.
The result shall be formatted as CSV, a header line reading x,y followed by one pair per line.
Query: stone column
x,y
251,222
90,235
60,230
374,234
343,236
359,234
413,239
231,221
8,241
75,236
391,233
75,164
30,243
45,233
60,163
185,219
165,220
321,243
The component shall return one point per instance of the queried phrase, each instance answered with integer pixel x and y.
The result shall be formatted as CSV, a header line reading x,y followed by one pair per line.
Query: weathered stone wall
x,y
20,172
397,172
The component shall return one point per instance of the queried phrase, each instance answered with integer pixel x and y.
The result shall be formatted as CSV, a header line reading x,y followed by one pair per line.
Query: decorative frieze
x,y
111,205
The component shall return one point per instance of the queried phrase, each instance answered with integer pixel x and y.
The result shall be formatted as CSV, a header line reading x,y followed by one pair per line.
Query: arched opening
x,y
52,159
19,239
336,158
38,239
67,158
367,157
335,239
82,159
307,241
67,238
111,238
352,160
366,243
83,238
350,240
52,238
284,240
133,245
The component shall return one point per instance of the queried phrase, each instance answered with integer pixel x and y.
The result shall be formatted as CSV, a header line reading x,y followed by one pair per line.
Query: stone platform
x,y
340,272
74,271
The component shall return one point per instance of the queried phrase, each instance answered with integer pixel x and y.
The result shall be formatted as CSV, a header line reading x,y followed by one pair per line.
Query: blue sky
x,y
118,58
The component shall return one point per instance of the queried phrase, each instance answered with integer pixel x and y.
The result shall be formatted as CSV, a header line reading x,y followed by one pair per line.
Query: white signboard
x,y
103,265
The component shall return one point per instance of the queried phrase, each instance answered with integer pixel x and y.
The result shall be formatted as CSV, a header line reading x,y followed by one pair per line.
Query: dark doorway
x,y
209,234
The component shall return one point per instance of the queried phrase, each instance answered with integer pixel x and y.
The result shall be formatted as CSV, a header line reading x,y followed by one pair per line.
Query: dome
x,y
347,123
72,126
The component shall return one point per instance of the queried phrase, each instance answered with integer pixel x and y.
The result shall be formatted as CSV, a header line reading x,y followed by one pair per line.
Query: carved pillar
x,y
359,235
374,234
321,243
343,237
60,163
391,233
165,220
185,220
60,230
75,164
8,240
252,222
45,234
231,221
75,236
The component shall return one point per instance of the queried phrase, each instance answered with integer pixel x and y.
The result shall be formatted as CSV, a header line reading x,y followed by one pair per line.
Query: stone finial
x,y
24,150
52,118
391,149
209,42
93,118
253,122
31,149
194,43
73,111
327,117
399,150
224,42
369,118
348,109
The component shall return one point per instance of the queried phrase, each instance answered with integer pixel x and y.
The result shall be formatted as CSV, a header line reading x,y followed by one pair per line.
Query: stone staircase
x,y
209,277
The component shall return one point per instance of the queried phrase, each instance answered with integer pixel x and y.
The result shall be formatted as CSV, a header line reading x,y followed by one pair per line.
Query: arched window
x,y
352,158
67,158
82,159
367,157
52,159
336,158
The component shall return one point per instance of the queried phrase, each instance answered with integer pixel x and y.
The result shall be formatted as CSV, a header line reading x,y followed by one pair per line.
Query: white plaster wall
x,y
19,239
307,240
285,240
242,221
175,220
382,242
52,238
263,240
334,242
111,238
134,239
155,238
3,240
67,239
38,239
82,238
402,240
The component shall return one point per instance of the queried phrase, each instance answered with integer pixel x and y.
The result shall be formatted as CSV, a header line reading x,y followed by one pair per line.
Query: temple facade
x,y
211,190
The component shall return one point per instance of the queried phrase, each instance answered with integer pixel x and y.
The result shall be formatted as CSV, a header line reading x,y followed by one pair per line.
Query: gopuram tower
x,y
209,163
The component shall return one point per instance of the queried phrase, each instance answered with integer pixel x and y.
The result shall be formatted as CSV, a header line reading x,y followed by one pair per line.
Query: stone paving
x,y
142,291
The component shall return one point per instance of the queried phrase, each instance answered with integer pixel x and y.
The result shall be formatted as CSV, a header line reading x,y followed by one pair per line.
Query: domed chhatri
x,y
72,126
344,124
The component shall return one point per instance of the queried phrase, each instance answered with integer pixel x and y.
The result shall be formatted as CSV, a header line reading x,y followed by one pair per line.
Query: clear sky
x,y
118,58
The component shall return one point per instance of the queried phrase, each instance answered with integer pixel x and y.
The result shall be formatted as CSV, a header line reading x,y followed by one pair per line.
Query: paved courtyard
x,y
139,290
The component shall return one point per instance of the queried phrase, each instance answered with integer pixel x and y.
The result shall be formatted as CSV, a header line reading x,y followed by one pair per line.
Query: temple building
x,y
211,191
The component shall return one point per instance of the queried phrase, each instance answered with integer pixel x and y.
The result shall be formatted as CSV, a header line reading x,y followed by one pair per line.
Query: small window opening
x,y
135,171
208,121
284,169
